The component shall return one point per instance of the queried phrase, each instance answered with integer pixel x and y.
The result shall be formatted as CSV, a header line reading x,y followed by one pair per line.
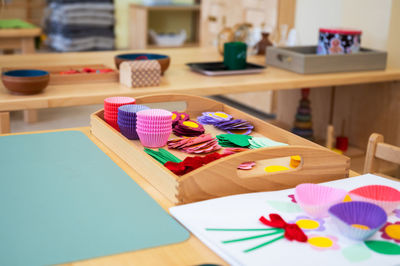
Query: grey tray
x,y
304,60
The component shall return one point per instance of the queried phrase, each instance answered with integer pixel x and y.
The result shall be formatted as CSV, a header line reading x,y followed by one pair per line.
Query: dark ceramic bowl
x,y
162,59
25,81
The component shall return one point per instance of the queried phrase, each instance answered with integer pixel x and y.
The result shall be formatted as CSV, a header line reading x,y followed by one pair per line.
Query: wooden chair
x,y
377,149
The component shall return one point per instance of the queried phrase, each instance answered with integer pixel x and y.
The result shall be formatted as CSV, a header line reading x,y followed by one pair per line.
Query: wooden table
x,y
23,39
177,79
189,252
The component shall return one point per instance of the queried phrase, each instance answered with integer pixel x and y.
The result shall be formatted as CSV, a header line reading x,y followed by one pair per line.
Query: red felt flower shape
x,y
391,231
192,163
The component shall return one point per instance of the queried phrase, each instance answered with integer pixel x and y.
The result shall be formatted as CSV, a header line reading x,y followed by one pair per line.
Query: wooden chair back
x,y
378,149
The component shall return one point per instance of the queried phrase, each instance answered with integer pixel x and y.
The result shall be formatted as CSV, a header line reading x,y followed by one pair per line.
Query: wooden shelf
x,y
189,44
168,7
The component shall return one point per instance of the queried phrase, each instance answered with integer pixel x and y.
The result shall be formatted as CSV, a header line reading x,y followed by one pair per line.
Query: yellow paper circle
x,y
307,224
190,124
275,168
320,241
393,231
173,116
221,115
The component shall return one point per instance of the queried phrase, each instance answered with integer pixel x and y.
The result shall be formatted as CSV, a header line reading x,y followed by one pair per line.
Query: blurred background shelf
x,y
142,18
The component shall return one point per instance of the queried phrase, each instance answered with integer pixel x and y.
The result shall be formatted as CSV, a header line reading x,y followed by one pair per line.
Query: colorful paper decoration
x,y
210,118
275,168
303,124
262,142
323,242
235,125
280,228
177,116
246,165
162,155
140,73
358,220
202,144
191,163
391,231
188,128
309,224
233,140
383,247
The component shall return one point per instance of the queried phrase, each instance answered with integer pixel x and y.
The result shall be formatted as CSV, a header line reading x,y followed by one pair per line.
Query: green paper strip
x,y
383,247
264,244
169,155
251,237
234,229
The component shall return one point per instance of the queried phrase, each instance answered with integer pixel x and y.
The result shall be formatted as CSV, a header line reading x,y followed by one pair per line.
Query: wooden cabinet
x,y
168,18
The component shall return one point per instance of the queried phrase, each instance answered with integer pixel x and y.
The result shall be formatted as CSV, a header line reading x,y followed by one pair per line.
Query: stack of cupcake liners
x,y
111,106
153,127
127,119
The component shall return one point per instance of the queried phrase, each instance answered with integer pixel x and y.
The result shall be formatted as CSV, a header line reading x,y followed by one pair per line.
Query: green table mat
x,y
15,24
62,199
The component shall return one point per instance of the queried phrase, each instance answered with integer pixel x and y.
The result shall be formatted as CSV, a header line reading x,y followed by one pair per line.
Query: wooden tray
x,y
221,178
305,60
59,79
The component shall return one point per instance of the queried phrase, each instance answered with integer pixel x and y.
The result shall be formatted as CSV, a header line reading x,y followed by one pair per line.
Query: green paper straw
x,y
264,244
250,237
233,229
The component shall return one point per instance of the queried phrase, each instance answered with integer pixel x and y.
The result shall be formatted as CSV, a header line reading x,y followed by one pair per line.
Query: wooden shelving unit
x,y
140,21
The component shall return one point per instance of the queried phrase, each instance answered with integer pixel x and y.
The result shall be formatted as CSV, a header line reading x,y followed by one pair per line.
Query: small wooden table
x,y
21,38
17,34
189,252
177,79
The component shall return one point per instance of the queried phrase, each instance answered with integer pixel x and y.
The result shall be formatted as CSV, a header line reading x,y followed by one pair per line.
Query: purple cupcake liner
x,y
348,216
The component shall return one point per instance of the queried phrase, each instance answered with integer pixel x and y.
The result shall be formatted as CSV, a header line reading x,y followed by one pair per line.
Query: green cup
x,y
235,55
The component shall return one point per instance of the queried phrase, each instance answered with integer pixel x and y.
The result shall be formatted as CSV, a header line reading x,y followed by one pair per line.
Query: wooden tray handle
x,y
220,178
195,104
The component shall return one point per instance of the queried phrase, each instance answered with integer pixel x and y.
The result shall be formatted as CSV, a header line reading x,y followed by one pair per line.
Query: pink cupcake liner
x,y
155,114
154,131
154,126
316,199
386,197
152,140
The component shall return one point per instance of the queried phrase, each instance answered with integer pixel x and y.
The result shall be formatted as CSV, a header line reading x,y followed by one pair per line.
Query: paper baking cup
x,y
128,132
155,130
358,220
164,126
119,100
126,124
152,140
386,197
129,109
316,199
155,114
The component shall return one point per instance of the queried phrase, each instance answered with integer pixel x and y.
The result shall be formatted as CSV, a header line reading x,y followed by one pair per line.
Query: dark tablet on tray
x,y
218,69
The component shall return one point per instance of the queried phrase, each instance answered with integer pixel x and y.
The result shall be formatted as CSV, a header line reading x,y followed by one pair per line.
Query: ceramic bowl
x,y
164,60
25,81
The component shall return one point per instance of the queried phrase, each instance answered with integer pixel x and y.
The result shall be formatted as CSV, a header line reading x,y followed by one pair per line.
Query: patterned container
x,y
338,41
140,73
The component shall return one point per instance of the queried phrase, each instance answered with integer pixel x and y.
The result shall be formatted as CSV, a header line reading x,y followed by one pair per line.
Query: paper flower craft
x,y
176,117
210,118
188,128
323,242
202,144
391,231
280,229
236,125
309,224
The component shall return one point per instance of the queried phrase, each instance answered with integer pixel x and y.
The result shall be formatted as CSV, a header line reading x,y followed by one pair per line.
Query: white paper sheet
x,y
243,211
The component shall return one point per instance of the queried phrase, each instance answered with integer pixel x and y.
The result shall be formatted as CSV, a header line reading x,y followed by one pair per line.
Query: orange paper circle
x,y
393,231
